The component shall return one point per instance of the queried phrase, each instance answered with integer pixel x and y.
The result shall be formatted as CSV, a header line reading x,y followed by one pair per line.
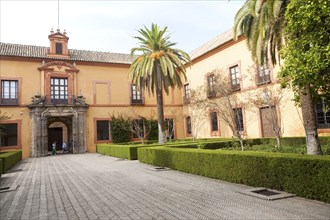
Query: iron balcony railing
x,y
211,94
235,87
4,101
137,101
263,79
59,100
186,99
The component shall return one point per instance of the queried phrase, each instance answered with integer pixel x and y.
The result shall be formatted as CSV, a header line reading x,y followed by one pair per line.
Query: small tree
x,y
143,127
138,128
196,110
226,104
271,99
169,129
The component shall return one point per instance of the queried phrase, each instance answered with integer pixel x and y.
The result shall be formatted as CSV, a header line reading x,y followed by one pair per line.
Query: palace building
x,y
60,94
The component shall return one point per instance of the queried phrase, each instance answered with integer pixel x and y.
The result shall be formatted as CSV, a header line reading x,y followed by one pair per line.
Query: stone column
x,y
75,144
33,133
36,132
82,130
44,136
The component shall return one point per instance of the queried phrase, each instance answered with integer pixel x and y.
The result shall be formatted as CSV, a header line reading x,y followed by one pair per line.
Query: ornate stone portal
x,y
72,115
57,101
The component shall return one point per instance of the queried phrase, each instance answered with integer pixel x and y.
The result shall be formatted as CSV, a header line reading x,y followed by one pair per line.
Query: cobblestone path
x,y
93,186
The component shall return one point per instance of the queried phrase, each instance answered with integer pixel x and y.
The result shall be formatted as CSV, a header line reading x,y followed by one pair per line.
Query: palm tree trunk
x,y
160,106
309,118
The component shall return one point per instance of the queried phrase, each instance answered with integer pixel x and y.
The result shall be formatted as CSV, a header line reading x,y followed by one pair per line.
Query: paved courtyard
x,y
93,186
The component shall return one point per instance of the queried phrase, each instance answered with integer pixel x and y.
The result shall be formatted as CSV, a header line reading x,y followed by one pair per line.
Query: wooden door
x,y
268,118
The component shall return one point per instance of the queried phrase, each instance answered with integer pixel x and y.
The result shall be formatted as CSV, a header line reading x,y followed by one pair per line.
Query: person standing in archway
x,y
54,148
64,147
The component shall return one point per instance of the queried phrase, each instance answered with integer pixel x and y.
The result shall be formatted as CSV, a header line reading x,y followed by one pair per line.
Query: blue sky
x,y
111,25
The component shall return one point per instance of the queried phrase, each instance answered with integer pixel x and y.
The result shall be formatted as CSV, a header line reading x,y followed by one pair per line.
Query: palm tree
x,y
263,23
158,66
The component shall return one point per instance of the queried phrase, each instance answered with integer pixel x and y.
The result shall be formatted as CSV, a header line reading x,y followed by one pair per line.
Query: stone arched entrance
x,y
44,117
59,132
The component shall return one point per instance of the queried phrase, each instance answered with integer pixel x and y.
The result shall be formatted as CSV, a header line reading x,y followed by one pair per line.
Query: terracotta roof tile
x,y
31,51
212,44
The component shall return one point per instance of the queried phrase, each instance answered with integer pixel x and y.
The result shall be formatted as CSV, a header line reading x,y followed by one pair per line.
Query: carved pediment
x,y
58,65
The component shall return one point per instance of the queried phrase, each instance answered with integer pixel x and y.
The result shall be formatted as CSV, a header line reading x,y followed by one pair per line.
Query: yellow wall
x,y
105,87
238,54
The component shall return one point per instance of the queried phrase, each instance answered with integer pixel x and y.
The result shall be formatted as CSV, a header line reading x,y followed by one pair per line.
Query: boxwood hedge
x,y
306,176
121,151
9,159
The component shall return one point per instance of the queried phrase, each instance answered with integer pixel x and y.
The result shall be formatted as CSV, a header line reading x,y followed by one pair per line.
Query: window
x,y
263,75
136,97
59,90
9,92
239,119
234,76
9,134
58,48
138,128
103,130
210,86
214,121
188,125
322,115
186,97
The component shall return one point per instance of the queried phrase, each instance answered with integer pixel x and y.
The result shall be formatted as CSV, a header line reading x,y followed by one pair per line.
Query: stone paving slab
x,y
93,186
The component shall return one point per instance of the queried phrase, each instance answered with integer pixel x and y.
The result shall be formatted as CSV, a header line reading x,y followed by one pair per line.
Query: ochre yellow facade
x,y
106,90
237,54
97,86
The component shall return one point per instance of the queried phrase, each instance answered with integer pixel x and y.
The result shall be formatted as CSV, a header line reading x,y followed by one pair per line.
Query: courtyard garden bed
x,y
305,176
9,159
296,145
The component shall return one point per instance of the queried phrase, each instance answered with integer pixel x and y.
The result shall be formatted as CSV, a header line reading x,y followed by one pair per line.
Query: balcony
x,y
235,87
137,102
8,101
263,79
59,100
186,99
211,94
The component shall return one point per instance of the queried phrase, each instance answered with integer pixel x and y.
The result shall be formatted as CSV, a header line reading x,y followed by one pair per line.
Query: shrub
x,y
182,145
152,129
121,151
9,159
120,129
306,176
289,141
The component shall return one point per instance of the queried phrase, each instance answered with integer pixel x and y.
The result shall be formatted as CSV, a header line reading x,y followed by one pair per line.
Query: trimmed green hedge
x,y
121,151
9,159
289,141
229,143
306,176
128,150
